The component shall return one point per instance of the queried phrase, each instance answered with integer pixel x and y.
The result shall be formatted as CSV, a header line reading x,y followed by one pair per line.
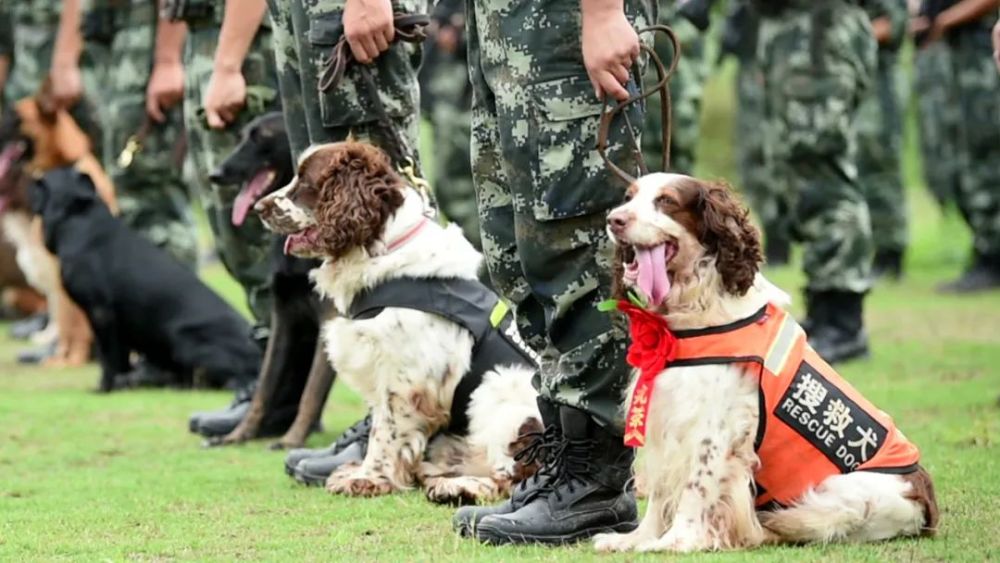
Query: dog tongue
x,y
652,279
10,153
249,195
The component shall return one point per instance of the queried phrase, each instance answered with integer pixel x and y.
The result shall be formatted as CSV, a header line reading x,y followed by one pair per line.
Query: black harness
x,y
468,303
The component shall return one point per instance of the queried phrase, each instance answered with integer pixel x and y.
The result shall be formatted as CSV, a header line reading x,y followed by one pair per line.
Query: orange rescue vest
x,y
813,423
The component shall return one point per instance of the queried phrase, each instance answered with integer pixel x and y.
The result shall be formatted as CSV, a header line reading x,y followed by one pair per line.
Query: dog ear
x,y
359,192
729,234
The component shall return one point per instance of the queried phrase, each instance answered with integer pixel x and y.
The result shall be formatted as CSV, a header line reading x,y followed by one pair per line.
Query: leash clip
x,y
409,171
132,146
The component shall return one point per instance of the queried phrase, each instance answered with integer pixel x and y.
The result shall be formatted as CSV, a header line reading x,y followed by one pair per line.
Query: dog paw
x,y
607,543
461,490
674,540
355,483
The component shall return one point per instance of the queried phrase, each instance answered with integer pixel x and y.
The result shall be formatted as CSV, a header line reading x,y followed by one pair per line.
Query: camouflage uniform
x,y
34,24
447,102
755,178
977,86
305,32
686,88
153,197
818,61
880,138
938,119
544,192
246,250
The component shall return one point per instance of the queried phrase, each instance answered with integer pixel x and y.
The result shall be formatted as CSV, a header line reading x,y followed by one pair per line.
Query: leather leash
x,y
410,29
663,74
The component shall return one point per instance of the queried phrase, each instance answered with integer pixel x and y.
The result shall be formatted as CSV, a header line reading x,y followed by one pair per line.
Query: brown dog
x,y
38,137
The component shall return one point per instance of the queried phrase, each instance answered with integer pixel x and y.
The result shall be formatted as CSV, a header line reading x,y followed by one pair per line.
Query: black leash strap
x,y
663,74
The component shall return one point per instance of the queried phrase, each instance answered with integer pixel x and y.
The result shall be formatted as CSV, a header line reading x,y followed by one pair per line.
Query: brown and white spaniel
x,y
349,207
688,249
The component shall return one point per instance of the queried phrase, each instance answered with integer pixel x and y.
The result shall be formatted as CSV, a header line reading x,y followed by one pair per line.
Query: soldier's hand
x,y
368,25
67,84
225,97
610,47
925,30
164,90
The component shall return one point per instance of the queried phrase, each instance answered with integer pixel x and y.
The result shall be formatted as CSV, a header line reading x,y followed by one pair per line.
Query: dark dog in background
x,y
295,377
135,295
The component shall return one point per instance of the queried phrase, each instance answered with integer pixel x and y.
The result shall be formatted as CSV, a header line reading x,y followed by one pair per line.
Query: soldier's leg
x,y
811,94
559,265
880,174
755,178
452,121
152,195
937,119
978,87
245,251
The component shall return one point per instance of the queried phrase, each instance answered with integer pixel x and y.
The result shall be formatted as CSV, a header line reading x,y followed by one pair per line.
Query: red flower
x,y
653,345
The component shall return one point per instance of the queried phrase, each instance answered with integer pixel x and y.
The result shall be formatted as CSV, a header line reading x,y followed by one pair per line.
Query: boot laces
x,y
571,465
542,448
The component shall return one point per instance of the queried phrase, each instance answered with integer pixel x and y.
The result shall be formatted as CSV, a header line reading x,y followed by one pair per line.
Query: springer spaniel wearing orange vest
x,y
750,437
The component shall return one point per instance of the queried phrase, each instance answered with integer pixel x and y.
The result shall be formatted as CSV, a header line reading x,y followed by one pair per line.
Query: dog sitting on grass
x,y
137,297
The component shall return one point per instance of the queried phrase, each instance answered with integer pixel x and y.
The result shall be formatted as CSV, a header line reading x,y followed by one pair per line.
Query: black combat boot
x,y
540,449
222,422
588,491
888,264
357,433
982,275
837,333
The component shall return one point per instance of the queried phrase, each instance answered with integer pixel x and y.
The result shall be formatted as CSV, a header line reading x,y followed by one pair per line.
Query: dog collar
x,y
406,237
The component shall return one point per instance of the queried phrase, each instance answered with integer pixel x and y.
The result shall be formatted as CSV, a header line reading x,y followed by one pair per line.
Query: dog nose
x,y
618,220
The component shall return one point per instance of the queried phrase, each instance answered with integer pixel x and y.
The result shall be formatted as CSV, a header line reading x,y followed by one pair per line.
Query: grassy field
x,y
94,477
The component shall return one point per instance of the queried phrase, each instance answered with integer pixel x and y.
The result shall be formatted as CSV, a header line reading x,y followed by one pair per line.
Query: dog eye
x,y
664,201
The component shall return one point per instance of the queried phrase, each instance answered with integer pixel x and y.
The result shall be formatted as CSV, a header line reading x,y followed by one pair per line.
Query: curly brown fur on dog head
x,y
357,192
725,230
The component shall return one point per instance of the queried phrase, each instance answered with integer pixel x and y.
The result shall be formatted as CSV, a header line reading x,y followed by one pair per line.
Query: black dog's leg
x,y
114,353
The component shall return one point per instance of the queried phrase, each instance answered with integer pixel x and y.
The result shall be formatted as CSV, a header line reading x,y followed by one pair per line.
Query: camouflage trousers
x,y
817,67
245,251
153,197
938,120
33,32
305,32
544,193
978,96
880,165
451,118
755,178
686,87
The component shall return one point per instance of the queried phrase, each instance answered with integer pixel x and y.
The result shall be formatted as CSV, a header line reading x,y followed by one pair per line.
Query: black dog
x,y
135,295
295,377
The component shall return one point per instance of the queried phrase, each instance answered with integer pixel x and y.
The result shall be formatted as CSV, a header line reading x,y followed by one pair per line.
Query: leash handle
x,y
663,74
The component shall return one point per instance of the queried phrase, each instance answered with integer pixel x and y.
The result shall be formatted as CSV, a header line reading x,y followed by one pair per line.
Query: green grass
x,y
93,477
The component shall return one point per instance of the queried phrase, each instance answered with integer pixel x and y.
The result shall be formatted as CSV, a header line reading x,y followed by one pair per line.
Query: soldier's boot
x,y
355,432
837,331
588,491
541,449
350,447
888,264
982,275
23,329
